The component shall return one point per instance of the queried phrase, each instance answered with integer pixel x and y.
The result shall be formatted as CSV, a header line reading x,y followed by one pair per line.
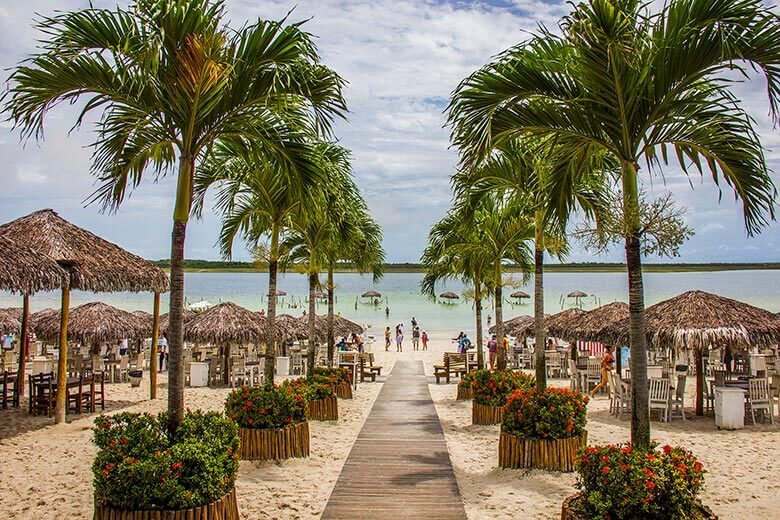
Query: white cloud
x,y
709,227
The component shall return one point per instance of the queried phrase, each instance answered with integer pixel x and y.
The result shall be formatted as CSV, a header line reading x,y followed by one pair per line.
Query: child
x,y
425,340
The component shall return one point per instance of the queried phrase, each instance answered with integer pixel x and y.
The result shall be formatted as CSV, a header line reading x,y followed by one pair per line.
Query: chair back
x,y
758,389
720,378
659,389
594,368
123,362
237,365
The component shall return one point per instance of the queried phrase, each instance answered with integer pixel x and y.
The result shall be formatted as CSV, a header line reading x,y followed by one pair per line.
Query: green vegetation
x,y
219,266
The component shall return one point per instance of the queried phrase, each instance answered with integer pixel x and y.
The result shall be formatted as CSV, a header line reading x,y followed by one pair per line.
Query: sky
x,y
402,60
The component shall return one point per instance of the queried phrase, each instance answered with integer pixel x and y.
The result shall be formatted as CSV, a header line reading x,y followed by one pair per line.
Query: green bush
x,y
621,482
492,387
333,376
260,408
138,467
311,390
555,413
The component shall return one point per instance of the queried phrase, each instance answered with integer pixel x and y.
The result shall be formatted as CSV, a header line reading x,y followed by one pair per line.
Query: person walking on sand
x,y
607,362
492,347
387,339
399,340
416,338
425,340
414,323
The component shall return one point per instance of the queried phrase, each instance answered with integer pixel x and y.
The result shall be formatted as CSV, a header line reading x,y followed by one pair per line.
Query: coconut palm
x,y
632,84
257,199
521,170
171,79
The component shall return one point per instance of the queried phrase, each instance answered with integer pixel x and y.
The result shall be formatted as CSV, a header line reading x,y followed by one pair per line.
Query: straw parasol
x,y
556,320
92,264
289,328
519,295
591,325
449,296
10,319
371,294
41,315
27,271
576,294
696,319
510,326
223,324
186,314
92,323
341,327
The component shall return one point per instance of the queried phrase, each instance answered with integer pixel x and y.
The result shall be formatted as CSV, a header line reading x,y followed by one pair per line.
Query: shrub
x,y
138,467
620,482
466,379
332,376
491,388
260,408
555,413
310,389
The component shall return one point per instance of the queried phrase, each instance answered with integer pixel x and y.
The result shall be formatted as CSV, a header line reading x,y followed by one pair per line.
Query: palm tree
x,y
630,84
521,170
257,198
171,80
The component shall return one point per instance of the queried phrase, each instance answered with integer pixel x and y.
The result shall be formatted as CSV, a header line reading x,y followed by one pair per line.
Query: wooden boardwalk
x,y
399,467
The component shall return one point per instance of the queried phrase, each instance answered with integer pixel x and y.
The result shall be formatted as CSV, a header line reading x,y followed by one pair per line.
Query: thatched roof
x,y
576,294
551,322
25,270
225,323
449,295
511,325
35,317
11,319
696,319
590,325
289,328
91,323
341,327
371,294
188,315
520,294
93,264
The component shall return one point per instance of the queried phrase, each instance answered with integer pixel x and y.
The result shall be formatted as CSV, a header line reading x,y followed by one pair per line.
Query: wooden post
x,y
697,355
23,346
62,363
153,359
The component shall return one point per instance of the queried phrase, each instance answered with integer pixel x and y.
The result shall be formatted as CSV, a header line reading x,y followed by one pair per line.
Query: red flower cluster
x,y
259,408
554,413
620,481
491,388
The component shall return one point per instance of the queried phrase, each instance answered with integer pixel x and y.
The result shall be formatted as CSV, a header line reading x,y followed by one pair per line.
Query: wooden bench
x,y
365,371
455,364
368,359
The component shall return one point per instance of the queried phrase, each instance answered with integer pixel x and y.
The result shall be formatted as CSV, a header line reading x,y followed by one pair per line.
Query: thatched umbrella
x,y
556,320
93,323
371,294
289,328
341,327
697,319
449,297
41,315
516,323
92,264
590,325
225,324
577,295
186,315
519,295
10,319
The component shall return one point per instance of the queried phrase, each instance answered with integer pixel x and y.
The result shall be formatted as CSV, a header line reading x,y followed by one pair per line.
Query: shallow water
x,y
400,292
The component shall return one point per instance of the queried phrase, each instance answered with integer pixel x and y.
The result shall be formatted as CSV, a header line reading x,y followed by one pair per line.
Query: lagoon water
x,y
400,292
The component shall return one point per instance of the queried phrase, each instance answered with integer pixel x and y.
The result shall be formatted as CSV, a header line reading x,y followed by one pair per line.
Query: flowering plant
x,y
261,408
491,388
553,413
465,379
139,467
622,482
333,376
310,389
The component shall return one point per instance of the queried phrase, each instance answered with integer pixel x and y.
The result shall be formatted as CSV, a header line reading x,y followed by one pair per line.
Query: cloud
x,y
709,227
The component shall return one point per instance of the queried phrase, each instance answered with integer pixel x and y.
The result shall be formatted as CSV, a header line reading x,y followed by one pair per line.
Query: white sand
x,y
45,469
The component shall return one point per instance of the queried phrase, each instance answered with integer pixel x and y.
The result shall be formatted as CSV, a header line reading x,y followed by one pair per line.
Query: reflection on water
x,y
400,292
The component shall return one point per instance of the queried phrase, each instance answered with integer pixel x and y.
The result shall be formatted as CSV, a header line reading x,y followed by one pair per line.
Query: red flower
x,y
288,420
604,459
651,458
249,403
606,469
648,472
176,466
667,449
650,485
697,466
250,421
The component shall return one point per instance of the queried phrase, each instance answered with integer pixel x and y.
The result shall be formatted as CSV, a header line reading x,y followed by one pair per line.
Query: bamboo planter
x,y
326,409
486,414
571,510
464,393
274,444
226,508
343,390
528,452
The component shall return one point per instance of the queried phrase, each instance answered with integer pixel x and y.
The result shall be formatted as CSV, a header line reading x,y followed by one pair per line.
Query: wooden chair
x,y
709,396
123,369
73,397
660,396
593,373
678,400
237,371
552,361
774,390
98,391
574,376
215,370
622,398
759,398
10,389
613,395
42,394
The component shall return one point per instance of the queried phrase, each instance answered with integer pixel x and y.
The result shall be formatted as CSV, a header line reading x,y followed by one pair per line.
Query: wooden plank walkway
x,y
399,466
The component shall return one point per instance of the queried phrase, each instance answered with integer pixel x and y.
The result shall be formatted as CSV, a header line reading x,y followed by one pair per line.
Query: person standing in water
x,y
387,339
387,312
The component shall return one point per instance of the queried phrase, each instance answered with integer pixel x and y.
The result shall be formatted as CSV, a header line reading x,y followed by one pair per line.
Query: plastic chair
x,y
678,401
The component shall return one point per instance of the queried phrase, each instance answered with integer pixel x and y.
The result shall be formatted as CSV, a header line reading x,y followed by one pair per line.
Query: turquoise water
x,y
400,292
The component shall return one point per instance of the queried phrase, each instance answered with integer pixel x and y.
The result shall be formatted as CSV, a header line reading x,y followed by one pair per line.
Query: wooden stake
x,y
153,354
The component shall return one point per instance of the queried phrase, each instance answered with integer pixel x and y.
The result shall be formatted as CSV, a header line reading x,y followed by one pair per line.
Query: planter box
x,y
274,444
323,409
528,452
571,511
226,508
464,393
486,414
343,390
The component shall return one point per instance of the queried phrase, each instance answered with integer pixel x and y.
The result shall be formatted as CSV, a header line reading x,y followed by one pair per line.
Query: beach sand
x,y
45,469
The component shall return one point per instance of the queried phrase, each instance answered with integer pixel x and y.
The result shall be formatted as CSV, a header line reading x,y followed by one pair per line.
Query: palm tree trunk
x,y
270,341
23,344
640,413
331,340
539,335
478,312
699,360
181,214
62,362
312,316
155,336
500,325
